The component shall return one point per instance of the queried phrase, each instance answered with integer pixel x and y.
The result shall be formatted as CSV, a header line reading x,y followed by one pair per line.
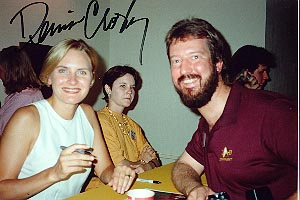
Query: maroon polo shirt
x,y
252,145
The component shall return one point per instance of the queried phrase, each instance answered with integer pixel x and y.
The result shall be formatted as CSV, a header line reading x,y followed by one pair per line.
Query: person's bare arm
x,y
154,163
140,167
15,145
13,154
186,174
119,177
147,160
293,196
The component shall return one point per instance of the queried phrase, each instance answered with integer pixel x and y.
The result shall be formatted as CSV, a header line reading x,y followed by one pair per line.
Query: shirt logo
x,y
226,154
133,135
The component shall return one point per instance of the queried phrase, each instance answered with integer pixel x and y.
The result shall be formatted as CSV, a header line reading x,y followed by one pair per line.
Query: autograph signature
x,y
46,28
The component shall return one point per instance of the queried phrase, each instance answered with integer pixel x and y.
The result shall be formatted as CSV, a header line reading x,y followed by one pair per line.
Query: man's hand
x,y
200,193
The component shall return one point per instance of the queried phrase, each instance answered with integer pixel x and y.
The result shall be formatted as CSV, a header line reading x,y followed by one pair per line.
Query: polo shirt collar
x,y
231,109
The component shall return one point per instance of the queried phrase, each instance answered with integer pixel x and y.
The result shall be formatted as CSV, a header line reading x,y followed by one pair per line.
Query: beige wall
x,y
167,123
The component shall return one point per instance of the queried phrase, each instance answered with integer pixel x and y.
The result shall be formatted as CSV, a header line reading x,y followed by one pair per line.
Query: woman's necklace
x,y
125,127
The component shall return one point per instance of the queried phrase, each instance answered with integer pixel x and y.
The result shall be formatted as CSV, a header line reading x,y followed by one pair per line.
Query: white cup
x,y
140,194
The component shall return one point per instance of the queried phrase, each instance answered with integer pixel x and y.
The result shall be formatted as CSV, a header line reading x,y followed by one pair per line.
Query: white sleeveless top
x,y
54,132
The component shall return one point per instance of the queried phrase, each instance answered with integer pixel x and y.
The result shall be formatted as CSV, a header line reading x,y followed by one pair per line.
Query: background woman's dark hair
x,y
116,72
19,73
199,29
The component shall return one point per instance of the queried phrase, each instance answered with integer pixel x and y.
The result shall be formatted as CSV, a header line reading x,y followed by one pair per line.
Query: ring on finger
x,y
129,176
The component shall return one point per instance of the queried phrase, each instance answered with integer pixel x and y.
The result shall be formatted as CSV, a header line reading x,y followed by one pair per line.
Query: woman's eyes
x,y
124,86
62,70
82,73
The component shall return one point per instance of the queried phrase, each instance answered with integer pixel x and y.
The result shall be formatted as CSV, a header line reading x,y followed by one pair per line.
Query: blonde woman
x,y
39,148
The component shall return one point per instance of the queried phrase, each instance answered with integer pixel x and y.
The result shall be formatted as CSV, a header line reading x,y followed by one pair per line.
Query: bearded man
x,y
246,141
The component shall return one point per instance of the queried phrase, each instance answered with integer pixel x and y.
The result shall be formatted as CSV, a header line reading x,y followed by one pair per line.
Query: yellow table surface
x,y
162,174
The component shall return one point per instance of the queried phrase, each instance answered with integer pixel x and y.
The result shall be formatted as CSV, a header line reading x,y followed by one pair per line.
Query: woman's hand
x,y
122,178
248,80
147,154
252,83
140,168
71,162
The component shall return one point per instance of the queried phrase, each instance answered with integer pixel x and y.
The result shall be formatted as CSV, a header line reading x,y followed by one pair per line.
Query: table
x,y
162,174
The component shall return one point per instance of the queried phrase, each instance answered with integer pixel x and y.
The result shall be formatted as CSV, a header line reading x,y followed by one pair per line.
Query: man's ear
x,y
107,89
219,66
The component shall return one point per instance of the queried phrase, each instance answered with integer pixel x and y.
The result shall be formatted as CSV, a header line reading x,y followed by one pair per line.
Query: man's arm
x,y
186,177
293,197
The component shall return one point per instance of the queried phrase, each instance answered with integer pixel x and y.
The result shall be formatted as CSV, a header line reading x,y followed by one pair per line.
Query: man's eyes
x,y
261,72
195,57
175,61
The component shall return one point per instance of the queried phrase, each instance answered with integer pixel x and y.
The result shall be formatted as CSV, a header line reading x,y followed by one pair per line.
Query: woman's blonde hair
x,y
57,52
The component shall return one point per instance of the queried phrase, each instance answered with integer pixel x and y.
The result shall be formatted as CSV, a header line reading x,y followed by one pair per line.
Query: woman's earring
x,y
92,83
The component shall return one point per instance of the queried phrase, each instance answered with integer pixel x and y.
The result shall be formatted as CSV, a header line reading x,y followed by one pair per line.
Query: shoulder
x,y
88,111
86,107
260,98
271,100
133,122
269,106
103,114
27,96
23,118
30,93
281,110
27,113
91,117
102,111
37,94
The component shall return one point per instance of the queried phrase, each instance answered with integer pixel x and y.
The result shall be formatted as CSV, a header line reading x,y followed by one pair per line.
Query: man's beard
x,y
203,95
